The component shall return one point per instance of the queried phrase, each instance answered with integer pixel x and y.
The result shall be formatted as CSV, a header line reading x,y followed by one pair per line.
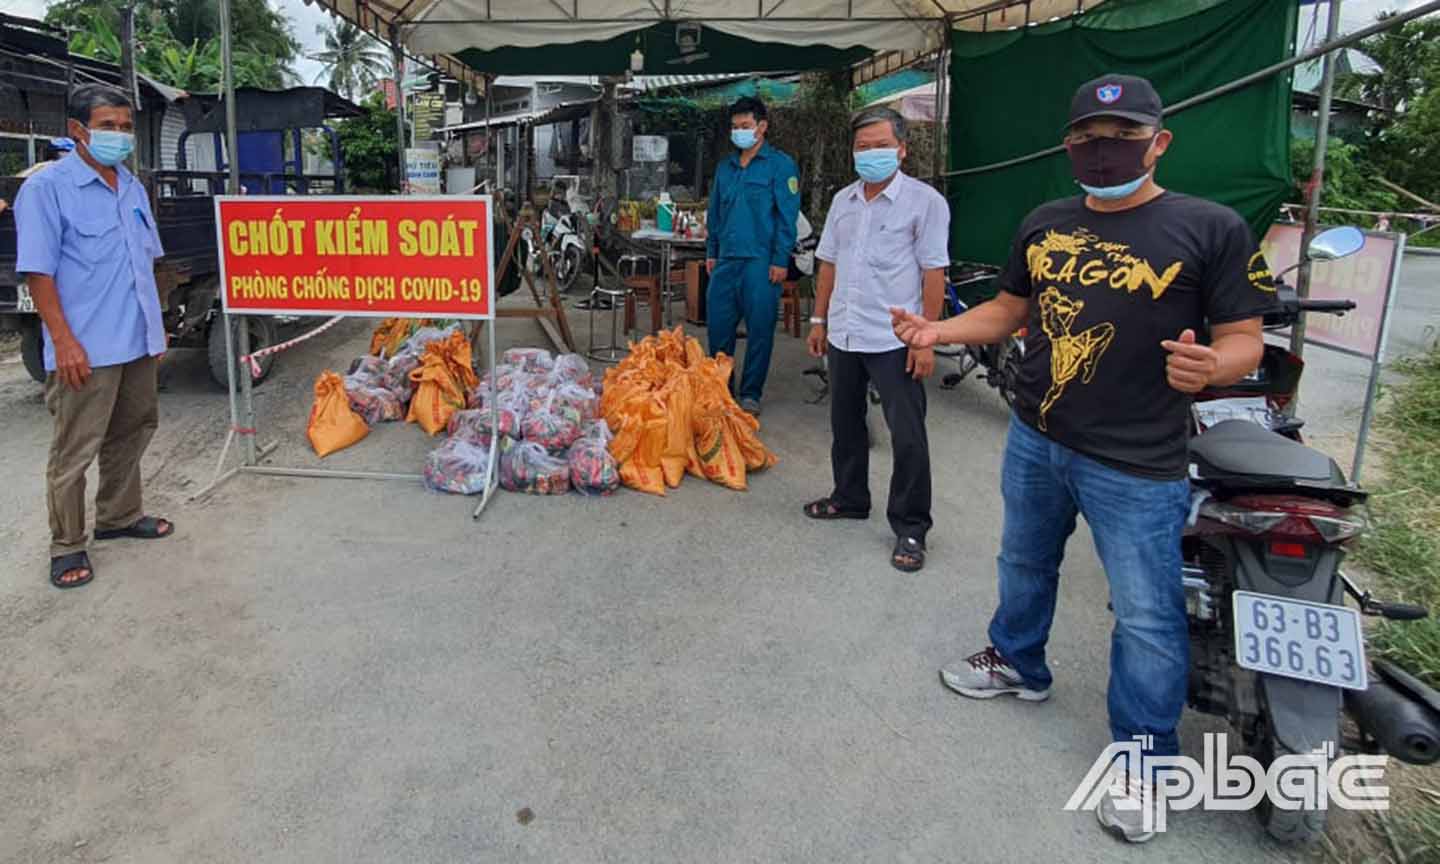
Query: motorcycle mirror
x,y
1335,243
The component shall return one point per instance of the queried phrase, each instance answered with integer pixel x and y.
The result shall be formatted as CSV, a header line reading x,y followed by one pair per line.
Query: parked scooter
x,y
1273,647
561,240
1000,361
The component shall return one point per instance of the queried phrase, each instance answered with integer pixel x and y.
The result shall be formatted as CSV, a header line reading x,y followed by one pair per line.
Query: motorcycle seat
x,y
1249,453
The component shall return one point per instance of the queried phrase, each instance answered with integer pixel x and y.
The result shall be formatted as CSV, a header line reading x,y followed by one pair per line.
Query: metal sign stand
x,y
1372,389
250,456
242,403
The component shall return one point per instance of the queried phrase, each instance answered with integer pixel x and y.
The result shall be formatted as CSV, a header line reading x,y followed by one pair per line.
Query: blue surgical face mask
x,y
1123,190
874,166
742,138
109,147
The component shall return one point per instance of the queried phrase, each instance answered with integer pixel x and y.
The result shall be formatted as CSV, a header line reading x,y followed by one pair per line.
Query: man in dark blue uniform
x,y
753,205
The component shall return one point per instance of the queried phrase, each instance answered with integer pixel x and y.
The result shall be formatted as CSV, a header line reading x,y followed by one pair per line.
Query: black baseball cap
x,y
1127,96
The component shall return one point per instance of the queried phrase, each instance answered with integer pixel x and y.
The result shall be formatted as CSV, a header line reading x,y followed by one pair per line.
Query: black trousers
x,y
902,398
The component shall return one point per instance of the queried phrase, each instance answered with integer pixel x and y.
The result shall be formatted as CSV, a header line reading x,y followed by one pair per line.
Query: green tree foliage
x,y
178,41
97,37
354,61
187,67
815,130
1349,179
1402,143
1409,57
368,143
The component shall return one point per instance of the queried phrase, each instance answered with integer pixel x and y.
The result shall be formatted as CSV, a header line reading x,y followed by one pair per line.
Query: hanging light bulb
x,y
637,58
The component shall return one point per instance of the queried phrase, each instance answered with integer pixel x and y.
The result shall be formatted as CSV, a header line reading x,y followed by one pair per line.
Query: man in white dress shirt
x,y
885,244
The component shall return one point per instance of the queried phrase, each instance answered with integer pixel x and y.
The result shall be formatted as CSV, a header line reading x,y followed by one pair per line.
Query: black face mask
x,y
1109,161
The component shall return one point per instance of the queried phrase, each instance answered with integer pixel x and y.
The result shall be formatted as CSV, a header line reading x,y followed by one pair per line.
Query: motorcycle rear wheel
x,y
568,267
1289,827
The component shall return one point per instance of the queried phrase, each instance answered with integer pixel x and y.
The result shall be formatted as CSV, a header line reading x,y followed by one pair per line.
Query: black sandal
x,y
71,563
908,547
146,528
824,508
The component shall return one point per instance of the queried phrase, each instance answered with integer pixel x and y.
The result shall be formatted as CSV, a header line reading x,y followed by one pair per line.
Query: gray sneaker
x,y
750,406
985,675
1122,810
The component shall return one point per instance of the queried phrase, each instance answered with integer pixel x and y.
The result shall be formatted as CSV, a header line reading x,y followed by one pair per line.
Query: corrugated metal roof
x,y
660,82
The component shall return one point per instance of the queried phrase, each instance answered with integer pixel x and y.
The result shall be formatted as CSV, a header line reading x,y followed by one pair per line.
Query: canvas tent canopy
x,y
681,36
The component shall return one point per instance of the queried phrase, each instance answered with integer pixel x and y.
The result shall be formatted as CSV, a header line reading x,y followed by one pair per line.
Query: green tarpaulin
x,y
1010,92
663,56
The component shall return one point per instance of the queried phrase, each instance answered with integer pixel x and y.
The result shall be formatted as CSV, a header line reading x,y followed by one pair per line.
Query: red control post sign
x,y
356,256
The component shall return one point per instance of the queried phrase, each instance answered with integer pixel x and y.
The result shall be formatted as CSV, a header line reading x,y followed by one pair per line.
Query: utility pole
x,y
607,139
1317,181
398,55
129,83
246,411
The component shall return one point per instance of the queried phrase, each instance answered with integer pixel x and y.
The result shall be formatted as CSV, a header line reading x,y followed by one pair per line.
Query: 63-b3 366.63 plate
x,y
1298,639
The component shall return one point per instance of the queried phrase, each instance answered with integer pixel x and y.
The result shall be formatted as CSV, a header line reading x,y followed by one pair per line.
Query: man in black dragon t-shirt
x,y
1115,288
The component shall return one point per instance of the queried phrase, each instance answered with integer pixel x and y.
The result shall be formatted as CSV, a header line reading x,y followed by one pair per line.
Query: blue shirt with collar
x,y
99,245
753,208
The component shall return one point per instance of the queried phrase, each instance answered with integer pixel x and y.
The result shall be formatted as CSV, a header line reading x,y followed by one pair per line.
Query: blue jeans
x,y
1137,523
740,289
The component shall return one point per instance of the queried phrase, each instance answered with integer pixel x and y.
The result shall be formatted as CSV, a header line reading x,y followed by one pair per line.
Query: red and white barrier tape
x,y
253,358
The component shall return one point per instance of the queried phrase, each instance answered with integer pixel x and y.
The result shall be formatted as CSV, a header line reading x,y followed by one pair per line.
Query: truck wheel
x,y
262,335
1290,827
32,349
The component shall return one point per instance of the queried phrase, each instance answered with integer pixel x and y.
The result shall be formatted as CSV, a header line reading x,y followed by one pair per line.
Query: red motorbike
x,y
1274,648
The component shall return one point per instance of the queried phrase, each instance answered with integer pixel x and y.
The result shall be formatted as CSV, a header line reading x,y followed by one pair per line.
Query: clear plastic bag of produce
x,y
553,424
593,471
578,397
368,367
526,466
511,406
507,377
396,378
457,466
374,404
425,335
529,359
473,425
571,367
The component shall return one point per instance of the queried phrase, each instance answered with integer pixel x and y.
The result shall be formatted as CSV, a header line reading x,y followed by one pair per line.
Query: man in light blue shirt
x,y
87,248
885,245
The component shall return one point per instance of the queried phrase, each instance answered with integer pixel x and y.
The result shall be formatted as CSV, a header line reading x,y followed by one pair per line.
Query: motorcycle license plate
x,y
23,301
1298,639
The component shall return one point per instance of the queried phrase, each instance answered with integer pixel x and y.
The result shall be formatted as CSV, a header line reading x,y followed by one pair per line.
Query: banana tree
x,y
195,68
97,38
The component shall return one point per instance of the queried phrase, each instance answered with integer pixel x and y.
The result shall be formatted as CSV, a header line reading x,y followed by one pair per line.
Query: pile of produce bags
x,y
430,366
671,412
549,440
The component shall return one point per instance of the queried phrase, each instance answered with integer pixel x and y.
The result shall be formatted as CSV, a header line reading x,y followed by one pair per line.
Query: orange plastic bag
x,y
390,334
437,394
672,413
333,426
679,448
745,428
638,445
456,350
718,450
